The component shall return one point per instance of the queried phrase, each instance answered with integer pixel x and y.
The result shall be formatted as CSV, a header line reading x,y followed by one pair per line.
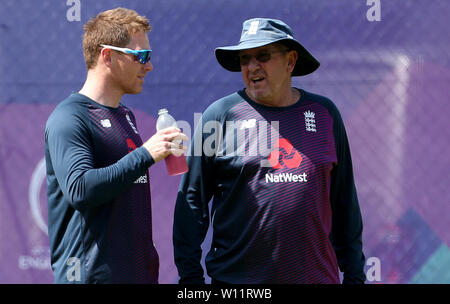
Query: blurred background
x,y
385,64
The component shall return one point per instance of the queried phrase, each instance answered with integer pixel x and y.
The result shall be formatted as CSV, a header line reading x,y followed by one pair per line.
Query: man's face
x,y
128,74
266,81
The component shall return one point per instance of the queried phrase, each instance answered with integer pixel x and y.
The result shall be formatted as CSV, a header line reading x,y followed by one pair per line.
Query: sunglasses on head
x,y
143,56
263,56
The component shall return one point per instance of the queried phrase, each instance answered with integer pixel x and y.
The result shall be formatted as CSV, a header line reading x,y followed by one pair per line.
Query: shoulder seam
x,y
227,102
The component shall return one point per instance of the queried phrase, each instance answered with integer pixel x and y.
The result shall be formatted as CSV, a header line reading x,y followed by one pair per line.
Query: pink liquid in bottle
x,y
175,164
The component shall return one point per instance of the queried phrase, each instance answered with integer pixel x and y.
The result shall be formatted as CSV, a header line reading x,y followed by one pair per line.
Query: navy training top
x,y
99,207
284,208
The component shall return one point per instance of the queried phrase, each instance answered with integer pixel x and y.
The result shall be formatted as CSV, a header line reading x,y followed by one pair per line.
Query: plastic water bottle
x,y
175,164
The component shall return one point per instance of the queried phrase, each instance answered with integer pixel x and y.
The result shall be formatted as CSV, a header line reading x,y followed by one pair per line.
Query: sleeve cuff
x,y
149,161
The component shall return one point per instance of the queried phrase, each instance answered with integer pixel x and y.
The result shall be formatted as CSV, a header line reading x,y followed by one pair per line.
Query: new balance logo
x,y
247,124
105,123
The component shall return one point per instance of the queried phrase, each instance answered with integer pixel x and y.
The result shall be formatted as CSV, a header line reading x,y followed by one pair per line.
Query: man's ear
x,y
105,56
292,60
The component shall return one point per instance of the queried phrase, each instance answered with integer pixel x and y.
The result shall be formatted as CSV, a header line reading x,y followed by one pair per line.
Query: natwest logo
x,y
286,178
284,155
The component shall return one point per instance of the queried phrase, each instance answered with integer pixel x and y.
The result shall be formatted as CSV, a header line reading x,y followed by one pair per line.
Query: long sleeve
x,y
70,148
191,219
346,235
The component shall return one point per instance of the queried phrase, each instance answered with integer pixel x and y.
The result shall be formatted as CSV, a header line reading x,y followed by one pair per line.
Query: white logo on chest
x,y
310,122
131,124
105,123
247,124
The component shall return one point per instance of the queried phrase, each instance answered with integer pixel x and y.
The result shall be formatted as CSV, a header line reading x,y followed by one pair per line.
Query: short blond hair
x,y
113,27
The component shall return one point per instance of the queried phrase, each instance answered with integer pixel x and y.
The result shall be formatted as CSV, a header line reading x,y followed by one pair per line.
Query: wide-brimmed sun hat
x,y
259,32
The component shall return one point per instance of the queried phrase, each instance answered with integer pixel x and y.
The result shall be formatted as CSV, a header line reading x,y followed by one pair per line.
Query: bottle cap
x,y
162,111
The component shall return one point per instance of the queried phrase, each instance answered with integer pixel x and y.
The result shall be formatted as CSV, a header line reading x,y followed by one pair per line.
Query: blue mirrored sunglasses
x,y
143,56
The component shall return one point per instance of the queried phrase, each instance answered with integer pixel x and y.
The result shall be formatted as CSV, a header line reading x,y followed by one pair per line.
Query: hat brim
x,y
228,58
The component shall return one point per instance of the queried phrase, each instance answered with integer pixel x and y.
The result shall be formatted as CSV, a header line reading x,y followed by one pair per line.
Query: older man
x,y
285,208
